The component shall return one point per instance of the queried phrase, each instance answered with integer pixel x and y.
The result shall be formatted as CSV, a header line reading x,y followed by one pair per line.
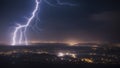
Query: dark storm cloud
x,y
89,20
106,16
109,22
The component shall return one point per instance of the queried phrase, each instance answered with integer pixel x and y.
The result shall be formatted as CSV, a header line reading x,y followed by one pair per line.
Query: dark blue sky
x,y
90,20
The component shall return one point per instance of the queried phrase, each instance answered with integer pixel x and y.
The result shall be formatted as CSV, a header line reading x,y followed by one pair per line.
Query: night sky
x,y
89,20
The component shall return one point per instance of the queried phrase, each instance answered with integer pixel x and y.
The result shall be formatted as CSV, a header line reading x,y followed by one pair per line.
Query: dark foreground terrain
x,y
61,56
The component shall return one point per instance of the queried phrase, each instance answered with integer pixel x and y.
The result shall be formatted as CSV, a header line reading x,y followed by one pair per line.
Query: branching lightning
x,y
19,35
21,29
65,3
58,2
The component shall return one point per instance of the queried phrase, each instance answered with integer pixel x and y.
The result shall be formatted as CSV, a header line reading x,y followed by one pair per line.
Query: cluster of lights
x,y
61,54
25,51
8,53
88,60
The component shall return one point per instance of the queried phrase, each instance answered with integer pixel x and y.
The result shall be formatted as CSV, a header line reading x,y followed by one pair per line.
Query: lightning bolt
x,y
65,3
59,2
19,35
20,30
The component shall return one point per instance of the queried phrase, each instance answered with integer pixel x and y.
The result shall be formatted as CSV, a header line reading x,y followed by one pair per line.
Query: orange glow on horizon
x,y
68,42
71,43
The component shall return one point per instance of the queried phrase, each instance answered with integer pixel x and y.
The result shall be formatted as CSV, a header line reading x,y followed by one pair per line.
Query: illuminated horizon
x,y
69,42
